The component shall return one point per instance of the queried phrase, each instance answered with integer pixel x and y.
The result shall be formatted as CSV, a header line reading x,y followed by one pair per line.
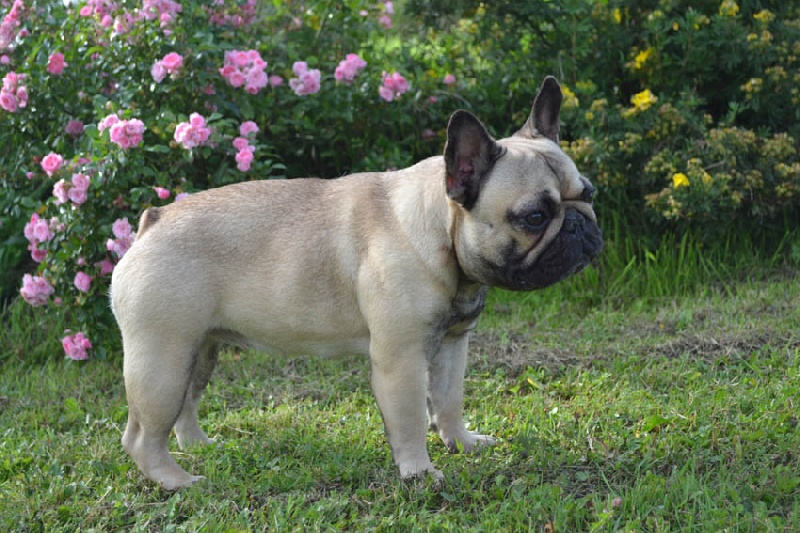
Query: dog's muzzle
x,y
578,242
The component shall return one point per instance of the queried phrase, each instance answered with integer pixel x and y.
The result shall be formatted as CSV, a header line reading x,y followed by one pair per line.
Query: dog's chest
x,y
465,308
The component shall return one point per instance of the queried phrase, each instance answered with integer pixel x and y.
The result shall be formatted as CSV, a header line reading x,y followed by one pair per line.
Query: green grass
x,y
679,416
673,411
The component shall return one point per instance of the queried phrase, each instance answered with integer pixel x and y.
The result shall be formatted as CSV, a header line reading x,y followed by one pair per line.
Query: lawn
x,y
652,414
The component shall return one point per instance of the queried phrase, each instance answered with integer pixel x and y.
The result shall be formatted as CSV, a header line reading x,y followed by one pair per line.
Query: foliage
x,y
684,114
686,111
111,108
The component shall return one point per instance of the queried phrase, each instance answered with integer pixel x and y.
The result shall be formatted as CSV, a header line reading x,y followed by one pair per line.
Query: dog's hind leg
x,y
187,428
158,376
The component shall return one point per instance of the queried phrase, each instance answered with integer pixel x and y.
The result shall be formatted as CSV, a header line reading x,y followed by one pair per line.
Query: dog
x,y
395,265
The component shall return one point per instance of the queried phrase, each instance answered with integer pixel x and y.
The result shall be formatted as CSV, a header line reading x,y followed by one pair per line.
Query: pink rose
x,y
56,64
162,192
107,122
51,163
193,133
106,267
35,290
60,190
307,81
172,62
75,346
349,68
241,143
83,281
393,86
247,128
243,160
74,128
449,79
275,81
158,72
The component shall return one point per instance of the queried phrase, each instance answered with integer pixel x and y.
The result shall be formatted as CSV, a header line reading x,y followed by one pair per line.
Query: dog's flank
x,y
394,265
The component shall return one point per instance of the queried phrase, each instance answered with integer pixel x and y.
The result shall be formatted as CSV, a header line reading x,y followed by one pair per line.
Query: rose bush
x,y
111,107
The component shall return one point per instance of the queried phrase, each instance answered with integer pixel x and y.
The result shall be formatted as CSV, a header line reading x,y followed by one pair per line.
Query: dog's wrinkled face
x,y
524,213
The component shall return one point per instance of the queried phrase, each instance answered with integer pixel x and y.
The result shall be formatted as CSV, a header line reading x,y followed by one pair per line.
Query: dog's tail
x,y
148,219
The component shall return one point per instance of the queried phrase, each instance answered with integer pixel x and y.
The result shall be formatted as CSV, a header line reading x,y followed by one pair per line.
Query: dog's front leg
x,y
398,381
446,396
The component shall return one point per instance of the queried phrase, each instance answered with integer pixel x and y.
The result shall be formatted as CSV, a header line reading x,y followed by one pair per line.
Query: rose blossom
x,y
449,79
83,281
75,346
307,81
247,128
193,133
124,237
35,290
161,192
51,163
349,68
393,86
56,64
74,128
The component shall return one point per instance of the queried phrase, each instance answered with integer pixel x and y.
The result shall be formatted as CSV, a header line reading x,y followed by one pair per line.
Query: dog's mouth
x,y
577,242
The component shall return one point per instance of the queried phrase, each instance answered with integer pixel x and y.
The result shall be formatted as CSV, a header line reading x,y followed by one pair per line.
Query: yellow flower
x,y
641,58
617,14
570,100
680,180
728,8
765,15
643,100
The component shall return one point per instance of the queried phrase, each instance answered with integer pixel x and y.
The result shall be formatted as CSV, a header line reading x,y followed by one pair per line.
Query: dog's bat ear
x,y
544,118
469,153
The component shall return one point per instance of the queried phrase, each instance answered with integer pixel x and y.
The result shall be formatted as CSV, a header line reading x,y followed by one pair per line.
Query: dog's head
x,y
523,213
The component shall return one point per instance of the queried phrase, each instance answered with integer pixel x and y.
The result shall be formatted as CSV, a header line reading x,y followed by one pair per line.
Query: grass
x,y
672,411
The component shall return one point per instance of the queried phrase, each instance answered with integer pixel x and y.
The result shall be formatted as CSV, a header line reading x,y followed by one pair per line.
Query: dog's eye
x,y
535,221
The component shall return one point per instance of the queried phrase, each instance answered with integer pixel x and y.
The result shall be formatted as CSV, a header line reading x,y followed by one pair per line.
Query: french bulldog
x,y
395,265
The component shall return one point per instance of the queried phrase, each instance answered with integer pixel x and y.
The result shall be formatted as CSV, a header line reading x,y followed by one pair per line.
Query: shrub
x,y
109,108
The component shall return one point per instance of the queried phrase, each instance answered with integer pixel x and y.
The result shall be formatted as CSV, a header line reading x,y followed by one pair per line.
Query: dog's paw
x,y
467,441
417,470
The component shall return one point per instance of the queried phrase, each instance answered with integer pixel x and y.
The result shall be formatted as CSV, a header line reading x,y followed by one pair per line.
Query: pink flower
x,y
385,21
35,290
107,122
158,71
121,228
275,81
56,64
172,62
243,160
124,237
449,79
75,346
83,281
307,81
162,192
193,133
247,128
349,68
241,143
74,128
60,190
126,133
393,86
245,68
51,163
13,95
106,267
181,196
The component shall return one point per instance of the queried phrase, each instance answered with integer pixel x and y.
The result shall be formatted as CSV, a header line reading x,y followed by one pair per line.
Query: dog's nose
x,y
587,195
573,221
